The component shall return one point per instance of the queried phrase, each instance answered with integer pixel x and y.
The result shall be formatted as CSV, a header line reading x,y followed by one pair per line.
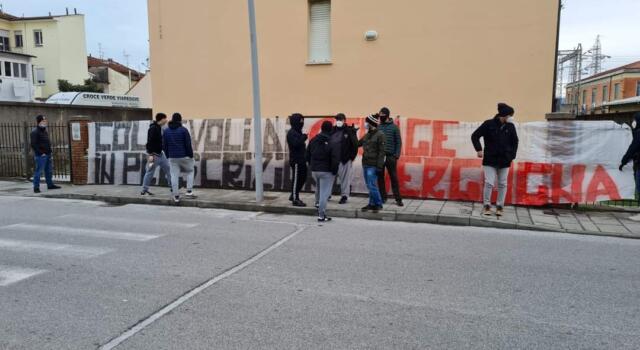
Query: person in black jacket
x,y
42,151
633,153
500,149
345,138
324,159
155,155
176,144
296,140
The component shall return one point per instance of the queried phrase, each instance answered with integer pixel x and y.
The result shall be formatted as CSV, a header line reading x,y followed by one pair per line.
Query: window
x,y
584,97
4,40
23,70
40,79
319,31
638,88
16,70
7,69
37,37
616,91
18,37
594,93
605,94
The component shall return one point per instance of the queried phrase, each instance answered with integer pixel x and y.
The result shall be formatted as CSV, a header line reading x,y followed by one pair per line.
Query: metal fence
x,y
16,157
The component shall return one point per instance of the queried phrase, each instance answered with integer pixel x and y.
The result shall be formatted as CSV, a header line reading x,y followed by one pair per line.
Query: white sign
x,y
75,132
94,99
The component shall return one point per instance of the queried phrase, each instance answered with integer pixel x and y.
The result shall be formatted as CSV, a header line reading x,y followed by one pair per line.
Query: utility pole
x,y
257,121
100,52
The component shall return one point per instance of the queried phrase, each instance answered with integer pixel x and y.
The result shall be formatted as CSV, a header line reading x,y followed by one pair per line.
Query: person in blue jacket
x,y
176,142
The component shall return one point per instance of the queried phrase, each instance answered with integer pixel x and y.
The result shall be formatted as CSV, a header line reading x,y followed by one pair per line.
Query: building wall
x,y
143,90
434,59
118,83
63,55
16,112
628,85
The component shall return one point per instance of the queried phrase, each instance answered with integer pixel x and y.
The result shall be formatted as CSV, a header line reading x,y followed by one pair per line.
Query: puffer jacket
x,y
373,146
176,141
500,142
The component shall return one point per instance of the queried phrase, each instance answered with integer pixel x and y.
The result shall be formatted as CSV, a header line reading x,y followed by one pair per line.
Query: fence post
x,y
78,149
25,150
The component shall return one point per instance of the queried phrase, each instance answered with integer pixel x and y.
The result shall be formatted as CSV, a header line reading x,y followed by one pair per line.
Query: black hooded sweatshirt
x,y
296,140
323,155
633,152
154,139
500,142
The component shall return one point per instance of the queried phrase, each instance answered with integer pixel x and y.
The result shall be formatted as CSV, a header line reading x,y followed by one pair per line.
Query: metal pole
x,y
257,121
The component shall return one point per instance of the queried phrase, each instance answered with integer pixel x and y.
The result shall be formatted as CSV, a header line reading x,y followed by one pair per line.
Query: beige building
x,y
113,77
422,58
57,43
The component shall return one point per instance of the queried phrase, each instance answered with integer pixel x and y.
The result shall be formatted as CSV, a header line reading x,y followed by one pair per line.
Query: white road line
x,y
52,248
129,221
10,275
176,303
87,232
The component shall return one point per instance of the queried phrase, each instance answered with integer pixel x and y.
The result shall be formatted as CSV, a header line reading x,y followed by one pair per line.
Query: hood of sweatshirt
x,y
297,122
174,125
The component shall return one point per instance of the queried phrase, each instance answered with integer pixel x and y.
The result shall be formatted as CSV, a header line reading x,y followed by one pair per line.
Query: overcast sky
x,y
122,25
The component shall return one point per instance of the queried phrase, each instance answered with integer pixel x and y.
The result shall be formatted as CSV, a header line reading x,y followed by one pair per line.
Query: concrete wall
x,y
142,89
118,83
435,59
12,112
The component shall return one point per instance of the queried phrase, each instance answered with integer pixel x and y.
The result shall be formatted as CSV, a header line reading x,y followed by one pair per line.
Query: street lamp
x,y
257,121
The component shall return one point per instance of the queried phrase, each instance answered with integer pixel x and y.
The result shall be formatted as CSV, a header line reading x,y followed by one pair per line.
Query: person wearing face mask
x,y
393,147
323,157
41,146
500,149
155,155
345,139
372,161
296,140
633,153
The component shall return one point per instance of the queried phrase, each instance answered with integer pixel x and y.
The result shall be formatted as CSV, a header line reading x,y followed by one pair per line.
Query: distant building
x,y
115,78
57,44
16,81
598,94
435,59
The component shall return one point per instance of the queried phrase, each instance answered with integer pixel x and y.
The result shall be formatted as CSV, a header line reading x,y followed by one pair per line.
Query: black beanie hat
x,y
385,111
327,126
39,118
373,120
504,110
176,117
340,116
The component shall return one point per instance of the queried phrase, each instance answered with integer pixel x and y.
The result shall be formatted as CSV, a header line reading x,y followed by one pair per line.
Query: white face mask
x,y
510,120
339,123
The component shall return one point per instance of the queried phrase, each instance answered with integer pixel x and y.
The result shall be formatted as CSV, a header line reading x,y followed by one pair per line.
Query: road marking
x,y
52,248
176,303
635,218
130,221
87,232
10,275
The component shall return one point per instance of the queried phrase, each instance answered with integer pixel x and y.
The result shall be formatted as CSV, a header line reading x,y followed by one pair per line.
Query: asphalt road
x,y
84,275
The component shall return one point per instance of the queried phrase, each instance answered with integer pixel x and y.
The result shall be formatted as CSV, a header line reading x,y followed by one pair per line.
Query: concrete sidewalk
x,y
418,211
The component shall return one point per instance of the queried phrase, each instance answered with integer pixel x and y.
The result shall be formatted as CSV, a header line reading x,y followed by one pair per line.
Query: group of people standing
x,y
331,154
170,149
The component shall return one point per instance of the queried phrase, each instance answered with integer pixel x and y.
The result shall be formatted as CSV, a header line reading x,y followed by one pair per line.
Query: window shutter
x,y
320,31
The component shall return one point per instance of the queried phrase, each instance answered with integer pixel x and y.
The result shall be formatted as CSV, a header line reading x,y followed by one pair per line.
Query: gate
x,y
16,157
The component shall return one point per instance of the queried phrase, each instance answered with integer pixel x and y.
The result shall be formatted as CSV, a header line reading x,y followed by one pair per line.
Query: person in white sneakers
x,y
176,142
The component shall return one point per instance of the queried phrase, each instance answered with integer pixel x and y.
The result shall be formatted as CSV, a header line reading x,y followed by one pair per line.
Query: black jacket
x,y
154,139
346,139
323,155
296,141
40,143
633,152
500,142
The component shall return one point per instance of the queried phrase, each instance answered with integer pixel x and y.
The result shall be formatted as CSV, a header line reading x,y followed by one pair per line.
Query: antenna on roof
x,y
100,52
67,10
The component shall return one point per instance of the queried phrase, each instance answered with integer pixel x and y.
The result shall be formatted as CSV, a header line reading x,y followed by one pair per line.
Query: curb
x,y
448,220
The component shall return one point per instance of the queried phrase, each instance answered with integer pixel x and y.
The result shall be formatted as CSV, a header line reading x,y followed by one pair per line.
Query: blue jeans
x,y
159,161
371,179
43,162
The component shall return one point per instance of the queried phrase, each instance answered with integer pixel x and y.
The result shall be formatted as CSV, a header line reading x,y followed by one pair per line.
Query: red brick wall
x,y
79,161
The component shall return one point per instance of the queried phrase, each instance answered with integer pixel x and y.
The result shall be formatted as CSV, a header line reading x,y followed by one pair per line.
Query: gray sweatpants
x,y
324,184
490,175
345,176
178,166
